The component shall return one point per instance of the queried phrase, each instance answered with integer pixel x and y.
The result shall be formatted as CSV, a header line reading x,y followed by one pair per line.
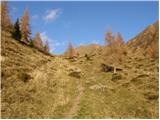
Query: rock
x,y
98,87
107,68
75,72
73,59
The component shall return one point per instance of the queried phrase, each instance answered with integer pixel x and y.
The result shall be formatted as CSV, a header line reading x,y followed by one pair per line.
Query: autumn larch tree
x,y
38,42
109,37
120,46
24,27
17,33
119,40
70,51
46,47
113,48
5,19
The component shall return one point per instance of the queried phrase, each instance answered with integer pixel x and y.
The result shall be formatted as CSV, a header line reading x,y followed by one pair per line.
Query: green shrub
x,y
31,43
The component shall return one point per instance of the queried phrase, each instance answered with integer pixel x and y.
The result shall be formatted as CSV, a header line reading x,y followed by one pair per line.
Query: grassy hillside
x,y
35,85
143,40
134,94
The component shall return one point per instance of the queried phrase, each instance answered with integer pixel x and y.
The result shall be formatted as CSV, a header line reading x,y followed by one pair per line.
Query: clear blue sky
x,y
85,22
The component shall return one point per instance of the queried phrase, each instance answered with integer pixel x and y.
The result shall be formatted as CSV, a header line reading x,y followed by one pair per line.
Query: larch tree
x,y
113,46
38,42
24,26
46,47
119,40
5,18
120,46
109,38
70,51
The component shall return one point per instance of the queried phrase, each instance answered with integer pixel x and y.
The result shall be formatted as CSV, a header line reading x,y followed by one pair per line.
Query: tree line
x,y
115,47
21,30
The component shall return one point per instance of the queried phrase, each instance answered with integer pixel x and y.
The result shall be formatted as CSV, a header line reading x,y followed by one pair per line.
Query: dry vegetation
x,y
39,85
34,85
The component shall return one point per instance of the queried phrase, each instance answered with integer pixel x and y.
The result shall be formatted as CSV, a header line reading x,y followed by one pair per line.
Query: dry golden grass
x,y
35,85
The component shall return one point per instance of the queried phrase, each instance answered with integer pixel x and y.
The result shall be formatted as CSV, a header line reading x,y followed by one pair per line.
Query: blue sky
x,y
84,22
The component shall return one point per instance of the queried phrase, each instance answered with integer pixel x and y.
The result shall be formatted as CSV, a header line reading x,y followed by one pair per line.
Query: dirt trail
x,y
75,106
45,72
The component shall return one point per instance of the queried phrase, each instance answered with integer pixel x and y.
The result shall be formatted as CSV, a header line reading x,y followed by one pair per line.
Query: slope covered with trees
x,y
21,30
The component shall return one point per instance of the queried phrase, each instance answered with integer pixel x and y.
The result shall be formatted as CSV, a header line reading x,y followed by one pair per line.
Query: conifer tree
x,y
109,37
17,33
120,46
24,26
119,40
46,47
38,42
5,19
113,48
70,51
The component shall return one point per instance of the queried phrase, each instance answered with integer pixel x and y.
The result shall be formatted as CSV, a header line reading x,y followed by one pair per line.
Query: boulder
x,y
75,72
107,68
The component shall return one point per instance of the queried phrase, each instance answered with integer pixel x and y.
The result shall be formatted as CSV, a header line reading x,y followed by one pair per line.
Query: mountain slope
x,y
144,40
35,85
90,49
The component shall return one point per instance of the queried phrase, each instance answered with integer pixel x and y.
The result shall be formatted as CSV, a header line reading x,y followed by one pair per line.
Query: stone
x,y
75,72
98,87
107,68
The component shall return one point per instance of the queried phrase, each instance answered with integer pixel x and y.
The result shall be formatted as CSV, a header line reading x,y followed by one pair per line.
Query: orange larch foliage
x,y
5,19
38,42
24,26
109,37
114,48
120,46
70,51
